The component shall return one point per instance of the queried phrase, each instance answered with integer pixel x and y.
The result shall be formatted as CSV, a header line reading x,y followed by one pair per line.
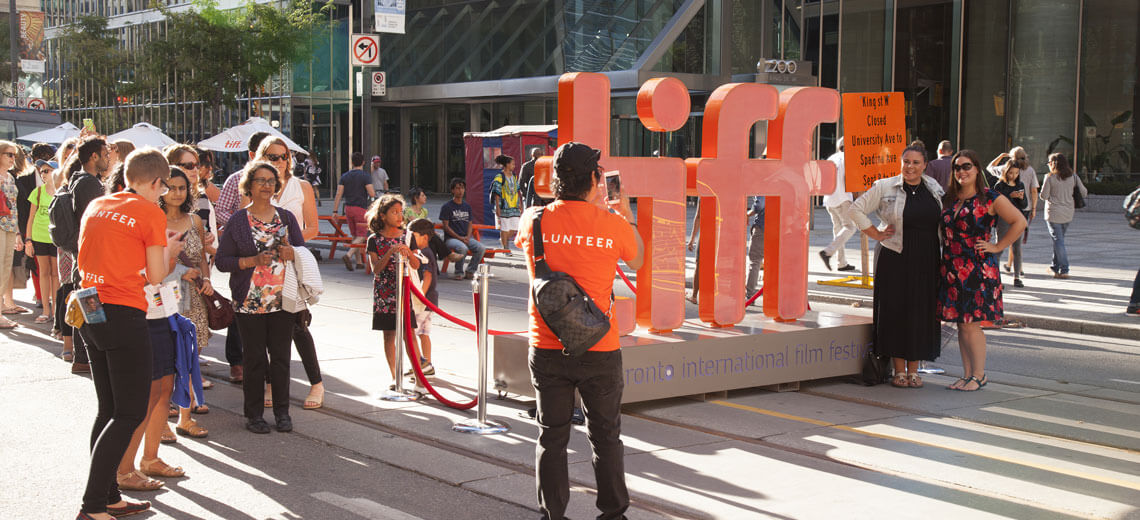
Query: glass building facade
x,y
1049,75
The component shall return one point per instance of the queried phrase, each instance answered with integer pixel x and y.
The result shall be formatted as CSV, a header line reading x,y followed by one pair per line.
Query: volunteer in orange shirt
x,y
584,240
121,236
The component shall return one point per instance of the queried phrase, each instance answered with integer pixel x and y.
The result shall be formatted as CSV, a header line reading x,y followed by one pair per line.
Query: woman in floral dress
x,y
970,291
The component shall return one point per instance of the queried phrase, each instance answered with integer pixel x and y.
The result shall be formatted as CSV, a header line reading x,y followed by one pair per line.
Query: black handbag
x,y
876,368
1078,200
570,313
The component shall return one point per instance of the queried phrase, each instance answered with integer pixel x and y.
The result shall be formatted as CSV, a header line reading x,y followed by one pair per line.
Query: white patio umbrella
x,y
143,134
54,135
236,139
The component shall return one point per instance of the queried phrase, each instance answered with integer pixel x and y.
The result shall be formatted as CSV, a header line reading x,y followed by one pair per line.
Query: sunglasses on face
x,y
276,157
964,167
264,181
188,165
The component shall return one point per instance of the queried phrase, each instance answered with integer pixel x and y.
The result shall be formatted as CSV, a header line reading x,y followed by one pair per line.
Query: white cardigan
x,y
303,285
888,199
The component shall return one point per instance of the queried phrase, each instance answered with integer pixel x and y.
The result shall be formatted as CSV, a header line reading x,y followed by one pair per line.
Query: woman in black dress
x,y
906,324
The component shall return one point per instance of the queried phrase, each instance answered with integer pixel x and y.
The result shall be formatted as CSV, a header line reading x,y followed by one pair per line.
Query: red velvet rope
x,y
627,282
466,324
409,335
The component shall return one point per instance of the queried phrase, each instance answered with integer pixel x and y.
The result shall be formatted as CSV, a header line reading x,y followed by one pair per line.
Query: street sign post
x,y
379,84
364,50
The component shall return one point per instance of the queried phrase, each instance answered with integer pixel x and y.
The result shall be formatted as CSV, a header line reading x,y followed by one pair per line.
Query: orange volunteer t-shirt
x,y
113,236
584,241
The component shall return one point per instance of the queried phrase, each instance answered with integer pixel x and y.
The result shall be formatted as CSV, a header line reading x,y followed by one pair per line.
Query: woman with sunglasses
x,y
9,229
906,269
1057,192
38,244
970,292
297,196
255,245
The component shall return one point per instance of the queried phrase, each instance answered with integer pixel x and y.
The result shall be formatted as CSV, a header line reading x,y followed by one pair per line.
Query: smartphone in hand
x,y
613,186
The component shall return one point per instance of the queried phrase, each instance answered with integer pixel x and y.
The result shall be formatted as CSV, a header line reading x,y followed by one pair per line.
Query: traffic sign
x,y
364,50
379,84
37,104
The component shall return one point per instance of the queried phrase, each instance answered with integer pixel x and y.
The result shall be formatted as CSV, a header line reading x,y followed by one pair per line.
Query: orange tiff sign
x,y
874,130
723,177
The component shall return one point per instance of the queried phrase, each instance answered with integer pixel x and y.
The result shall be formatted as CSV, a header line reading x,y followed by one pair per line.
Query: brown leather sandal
x,y
158,468
900,380
136,481
193,430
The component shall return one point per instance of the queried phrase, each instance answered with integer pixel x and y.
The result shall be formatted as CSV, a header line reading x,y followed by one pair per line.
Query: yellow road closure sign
x,y
874,136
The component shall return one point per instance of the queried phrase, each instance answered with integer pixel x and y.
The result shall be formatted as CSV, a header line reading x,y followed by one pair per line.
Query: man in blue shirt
x,y
356,188
456,217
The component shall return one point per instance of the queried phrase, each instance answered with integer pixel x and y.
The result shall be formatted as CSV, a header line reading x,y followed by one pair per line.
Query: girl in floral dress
x,y
970,291
385,220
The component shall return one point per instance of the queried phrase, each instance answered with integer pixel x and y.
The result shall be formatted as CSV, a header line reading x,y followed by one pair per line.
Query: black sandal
x,y
981,383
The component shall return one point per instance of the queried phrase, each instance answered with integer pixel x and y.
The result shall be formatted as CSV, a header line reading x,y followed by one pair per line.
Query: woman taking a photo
x,y
971,286
906,271
1057,192
257,242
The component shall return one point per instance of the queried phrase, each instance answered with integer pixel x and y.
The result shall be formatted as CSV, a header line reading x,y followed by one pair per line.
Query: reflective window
x,y
984,78
1109,62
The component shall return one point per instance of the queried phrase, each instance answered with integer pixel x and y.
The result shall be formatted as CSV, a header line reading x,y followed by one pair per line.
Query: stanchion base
x,y
402,397
931,370
485,428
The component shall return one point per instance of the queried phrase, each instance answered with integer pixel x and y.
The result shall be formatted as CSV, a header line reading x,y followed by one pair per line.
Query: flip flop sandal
x,y
957,384
206,384
136,481
193,431
981,383
43,319
158,468
9,325
68,356
15,310
200,410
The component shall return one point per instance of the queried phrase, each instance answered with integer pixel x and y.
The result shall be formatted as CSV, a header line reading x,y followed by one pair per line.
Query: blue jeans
x,y
476,248
1060,256
1134,301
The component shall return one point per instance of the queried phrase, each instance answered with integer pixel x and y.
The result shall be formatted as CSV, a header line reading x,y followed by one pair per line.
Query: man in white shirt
x,y
837,204
379,176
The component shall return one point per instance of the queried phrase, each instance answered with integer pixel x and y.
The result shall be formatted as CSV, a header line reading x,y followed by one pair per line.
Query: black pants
x,y
233,344
598,378
306,347
78,345
261,334
121,370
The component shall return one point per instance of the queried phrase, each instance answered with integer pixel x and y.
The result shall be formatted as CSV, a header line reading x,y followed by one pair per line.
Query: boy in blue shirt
x,y
457,231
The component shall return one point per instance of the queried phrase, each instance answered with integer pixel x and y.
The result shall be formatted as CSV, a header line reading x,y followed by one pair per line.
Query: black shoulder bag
x,y
570,313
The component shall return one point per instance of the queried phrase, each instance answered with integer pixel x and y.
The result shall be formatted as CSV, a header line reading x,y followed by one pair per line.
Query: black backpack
x,y
570,313
64,223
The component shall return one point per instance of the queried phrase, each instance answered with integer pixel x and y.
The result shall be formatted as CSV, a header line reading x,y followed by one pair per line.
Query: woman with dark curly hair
x,y
970,291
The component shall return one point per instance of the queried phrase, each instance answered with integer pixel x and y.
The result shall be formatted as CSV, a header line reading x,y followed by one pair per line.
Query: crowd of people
x,y
148,228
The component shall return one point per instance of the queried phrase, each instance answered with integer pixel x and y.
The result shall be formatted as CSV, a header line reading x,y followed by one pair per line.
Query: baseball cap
x,y
375,158
40,162
576,158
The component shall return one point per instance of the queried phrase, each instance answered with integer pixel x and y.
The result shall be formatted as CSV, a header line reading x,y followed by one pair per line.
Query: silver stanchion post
x,y
480,425
924,369
399,394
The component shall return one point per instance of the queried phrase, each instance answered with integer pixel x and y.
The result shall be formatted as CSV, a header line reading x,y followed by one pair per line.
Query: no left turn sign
x,y
364,50
37,104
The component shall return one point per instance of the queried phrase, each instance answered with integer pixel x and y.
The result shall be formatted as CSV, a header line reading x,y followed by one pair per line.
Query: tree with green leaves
x,y
214,53
91,53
